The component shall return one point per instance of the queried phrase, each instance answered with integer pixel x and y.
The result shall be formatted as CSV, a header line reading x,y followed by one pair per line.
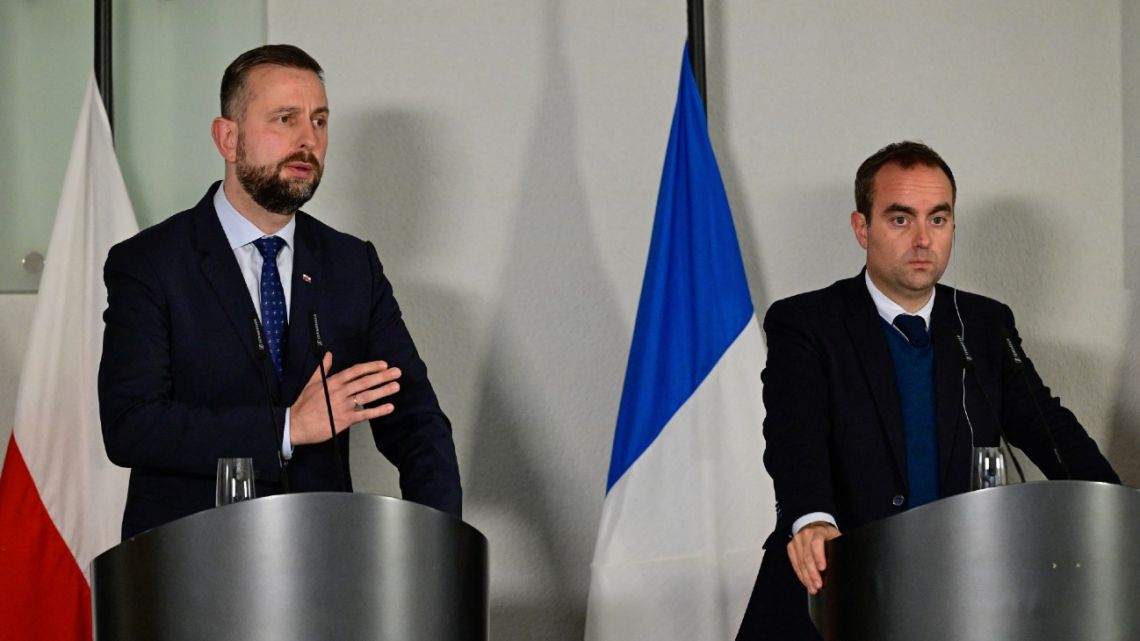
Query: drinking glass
x,y
235,481
988,469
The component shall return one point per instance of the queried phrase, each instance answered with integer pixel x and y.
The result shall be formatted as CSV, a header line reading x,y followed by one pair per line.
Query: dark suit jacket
x,y
181,385
834,432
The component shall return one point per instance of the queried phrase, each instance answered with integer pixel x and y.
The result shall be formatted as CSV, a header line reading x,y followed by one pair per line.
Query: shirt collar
x,y
239,231
889,309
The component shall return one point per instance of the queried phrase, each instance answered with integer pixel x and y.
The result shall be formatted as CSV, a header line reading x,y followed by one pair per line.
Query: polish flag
x,y
61,500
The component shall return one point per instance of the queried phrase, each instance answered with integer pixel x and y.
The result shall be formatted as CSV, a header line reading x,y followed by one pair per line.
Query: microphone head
x,y
1015,356
967,360
315,340
259,347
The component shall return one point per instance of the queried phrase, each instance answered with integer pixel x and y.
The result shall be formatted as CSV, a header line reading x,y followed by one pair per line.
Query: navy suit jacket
x,y
182,385
834,433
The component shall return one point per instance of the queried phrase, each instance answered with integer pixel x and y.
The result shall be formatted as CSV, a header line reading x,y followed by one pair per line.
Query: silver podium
x,y
1045,560
297,567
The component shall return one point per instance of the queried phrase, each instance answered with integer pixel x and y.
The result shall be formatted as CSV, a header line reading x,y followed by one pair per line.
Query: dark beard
x,y
277,195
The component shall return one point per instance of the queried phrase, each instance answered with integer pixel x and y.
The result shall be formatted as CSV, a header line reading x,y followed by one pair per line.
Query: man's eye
x,y
938,220
898,220
320,123
283,118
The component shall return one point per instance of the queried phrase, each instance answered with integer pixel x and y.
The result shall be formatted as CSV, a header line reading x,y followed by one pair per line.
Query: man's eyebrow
x,y
290,109
899,208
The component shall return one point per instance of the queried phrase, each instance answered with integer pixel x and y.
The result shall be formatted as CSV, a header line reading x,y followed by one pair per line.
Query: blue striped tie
x,y
272,301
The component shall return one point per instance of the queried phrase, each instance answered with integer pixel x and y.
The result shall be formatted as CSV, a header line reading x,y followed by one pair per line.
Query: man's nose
x,y
308,136
921,236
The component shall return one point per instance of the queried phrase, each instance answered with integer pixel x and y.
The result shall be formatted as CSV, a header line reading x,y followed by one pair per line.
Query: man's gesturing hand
x,y
805,551
349,390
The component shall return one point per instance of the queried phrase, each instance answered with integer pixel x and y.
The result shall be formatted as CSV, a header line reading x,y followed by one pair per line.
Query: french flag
x,y
688,504
61,499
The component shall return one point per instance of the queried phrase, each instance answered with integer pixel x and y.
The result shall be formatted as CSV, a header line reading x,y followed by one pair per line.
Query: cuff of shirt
x,y
814,517
286,442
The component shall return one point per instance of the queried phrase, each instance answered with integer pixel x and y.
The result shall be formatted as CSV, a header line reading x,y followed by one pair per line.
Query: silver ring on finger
x,y
356,405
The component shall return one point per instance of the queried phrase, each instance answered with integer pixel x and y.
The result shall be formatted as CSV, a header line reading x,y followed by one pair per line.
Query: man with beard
x,y
207,350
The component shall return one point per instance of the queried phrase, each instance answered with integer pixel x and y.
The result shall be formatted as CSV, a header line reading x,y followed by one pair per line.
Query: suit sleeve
x,y
144,425
797,424
1023,393
416,436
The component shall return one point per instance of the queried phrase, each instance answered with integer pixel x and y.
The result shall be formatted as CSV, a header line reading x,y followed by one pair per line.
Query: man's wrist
x,y
813,518
286,436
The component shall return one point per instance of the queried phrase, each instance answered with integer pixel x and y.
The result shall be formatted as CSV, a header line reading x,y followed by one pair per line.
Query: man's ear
x,y
225,134
859,224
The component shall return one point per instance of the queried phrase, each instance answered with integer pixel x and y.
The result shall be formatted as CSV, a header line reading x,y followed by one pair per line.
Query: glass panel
x,y
168,58
46,48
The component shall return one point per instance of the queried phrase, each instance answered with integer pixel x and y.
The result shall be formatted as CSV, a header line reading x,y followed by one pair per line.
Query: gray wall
x,y
504,156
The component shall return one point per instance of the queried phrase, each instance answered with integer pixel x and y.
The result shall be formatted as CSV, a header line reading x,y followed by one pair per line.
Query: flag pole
x,y
697,46
103,57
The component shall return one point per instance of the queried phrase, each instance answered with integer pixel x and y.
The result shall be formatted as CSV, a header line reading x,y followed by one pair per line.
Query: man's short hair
x,y
905,154
234,94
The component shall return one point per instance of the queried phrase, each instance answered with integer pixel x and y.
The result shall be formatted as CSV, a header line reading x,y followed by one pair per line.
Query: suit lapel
x,y
865,329
221,271
944,332
308,283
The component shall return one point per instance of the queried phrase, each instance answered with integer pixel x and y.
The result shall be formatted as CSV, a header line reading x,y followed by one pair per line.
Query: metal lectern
x,y
1032,562
297,567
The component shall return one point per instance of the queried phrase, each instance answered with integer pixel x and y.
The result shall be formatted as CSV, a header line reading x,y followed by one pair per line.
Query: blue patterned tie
x,y
272,301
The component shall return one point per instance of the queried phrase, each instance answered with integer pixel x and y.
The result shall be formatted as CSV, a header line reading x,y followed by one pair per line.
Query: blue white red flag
x,y
688,504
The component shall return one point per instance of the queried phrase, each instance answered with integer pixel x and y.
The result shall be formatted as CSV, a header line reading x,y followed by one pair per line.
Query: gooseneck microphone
x,y
971,371
262,353
1017,360
318,345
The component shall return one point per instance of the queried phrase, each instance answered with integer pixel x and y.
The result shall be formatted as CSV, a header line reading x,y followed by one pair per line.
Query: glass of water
x,y
988,468
235,481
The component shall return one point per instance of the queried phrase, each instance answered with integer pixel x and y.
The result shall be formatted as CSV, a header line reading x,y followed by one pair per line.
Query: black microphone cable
x,y
968,367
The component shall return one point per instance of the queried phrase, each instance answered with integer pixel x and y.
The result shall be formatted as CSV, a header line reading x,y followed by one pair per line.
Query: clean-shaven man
x,y
867,413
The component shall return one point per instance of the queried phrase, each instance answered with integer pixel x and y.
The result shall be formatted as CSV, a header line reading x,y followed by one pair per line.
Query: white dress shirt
x,y
241,233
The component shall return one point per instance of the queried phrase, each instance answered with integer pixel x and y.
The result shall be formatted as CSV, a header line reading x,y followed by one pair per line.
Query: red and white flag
x,y
61,500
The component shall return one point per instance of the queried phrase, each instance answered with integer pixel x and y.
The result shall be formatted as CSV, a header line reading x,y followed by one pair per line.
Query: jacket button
x,y
898,500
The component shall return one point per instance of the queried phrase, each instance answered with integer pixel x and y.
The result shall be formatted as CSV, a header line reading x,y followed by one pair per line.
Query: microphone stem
x,y
332,426
1017,364
277,436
